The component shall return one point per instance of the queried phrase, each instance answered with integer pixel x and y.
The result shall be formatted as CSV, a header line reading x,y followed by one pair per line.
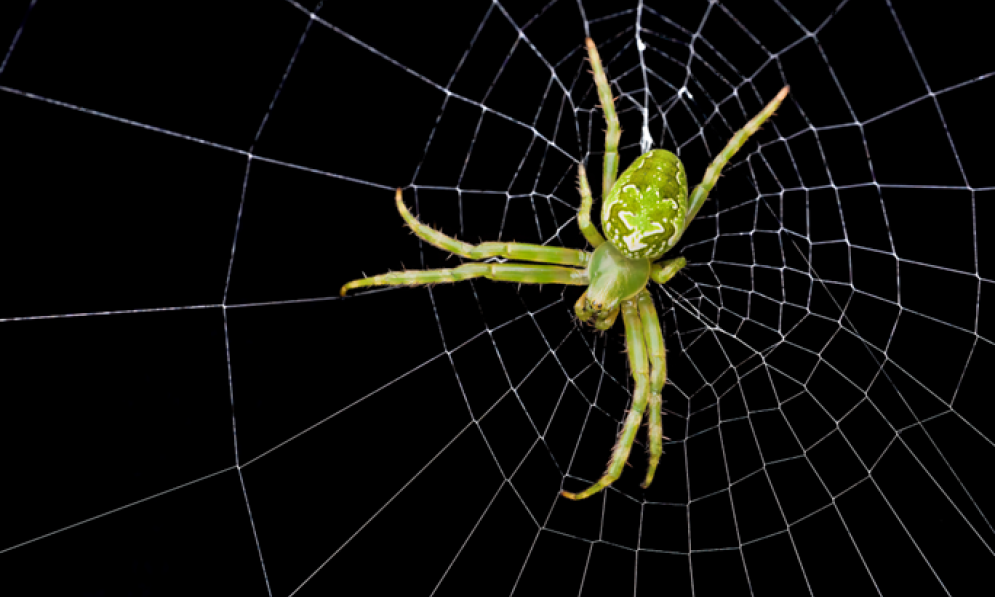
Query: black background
x,y
180,207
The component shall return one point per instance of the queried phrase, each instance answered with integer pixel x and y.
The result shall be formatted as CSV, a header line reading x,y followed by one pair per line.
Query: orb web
x,y
192,406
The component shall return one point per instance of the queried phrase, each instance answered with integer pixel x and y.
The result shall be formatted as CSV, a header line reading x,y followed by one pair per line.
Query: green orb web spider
x,y
644,213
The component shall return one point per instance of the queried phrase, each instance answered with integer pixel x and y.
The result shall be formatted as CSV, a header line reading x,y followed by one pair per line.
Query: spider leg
x,y
606,321
608,107
658,377
700,192
519,251
587,228
523,273
662,271
638,362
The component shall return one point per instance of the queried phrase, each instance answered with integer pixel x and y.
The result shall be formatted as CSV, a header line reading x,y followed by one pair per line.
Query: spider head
x,y
643,215
601,310
614,278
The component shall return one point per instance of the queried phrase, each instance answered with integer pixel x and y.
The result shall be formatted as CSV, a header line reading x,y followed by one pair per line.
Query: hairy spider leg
x,y
524,273
639,363
612,135
662,271
519,251
700,192
587,228
658,377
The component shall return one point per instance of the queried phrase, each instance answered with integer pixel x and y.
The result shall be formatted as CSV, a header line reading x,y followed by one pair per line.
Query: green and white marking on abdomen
x,y
643,215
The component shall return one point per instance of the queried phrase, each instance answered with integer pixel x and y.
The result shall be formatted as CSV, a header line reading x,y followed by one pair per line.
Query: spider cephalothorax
x,y
644,214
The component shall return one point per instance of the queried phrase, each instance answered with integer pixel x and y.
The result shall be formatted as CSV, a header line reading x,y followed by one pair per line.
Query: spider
x,y
644,213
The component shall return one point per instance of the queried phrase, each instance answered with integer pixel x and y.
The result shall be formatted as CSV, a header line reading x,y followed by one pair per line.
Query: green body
x,y
643,216
645,213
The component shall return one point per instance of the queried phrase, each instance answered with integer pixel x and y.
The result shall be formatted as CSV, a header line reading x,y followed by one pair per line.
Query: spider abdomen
x,y
643,215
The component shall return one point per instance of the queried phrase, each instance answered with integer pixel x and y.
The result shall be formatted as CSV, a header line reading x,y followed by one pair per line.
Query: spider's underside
x,y
644,213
